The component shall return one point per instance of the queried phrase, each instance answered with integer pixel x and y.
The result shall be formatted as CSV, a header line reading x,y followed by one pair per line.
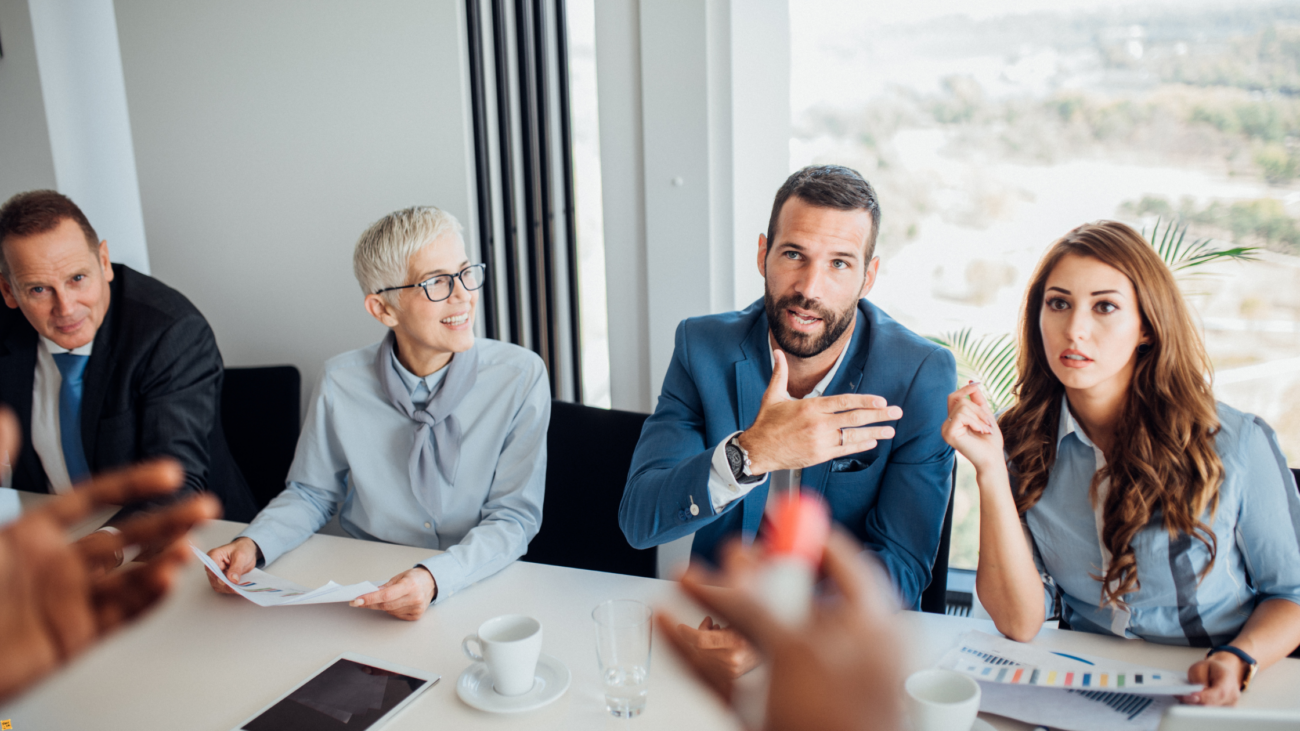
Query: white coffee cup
x,y
942,700
509,645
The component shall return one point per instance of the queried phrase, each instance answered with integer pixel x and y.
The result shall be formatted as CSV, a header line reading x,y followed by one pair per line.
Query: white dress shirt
x,y
723,488
47,439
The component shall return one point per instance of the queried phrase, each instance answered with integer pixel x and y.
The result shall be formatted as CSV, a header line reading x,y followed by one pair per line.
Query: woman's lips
x,y
1075,359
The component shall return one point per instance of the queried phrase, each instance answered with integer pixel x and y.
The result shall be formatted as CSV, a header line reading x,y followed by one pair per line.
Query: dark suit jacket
x,y
893,497
152,388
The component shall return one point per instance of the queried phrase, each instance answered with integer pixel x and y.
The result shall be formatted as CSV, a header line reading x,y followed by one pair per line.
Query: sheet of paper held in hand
x,y
266,590
1072,692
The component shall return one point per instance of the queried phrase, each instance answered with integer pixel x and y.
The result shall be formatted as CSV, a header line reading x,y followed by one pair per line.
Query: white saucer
x,y
982,725
474,686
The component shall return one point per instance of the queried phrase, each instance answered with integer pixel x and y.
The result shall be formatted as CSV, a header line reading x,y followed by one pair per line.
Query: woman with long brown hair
x,y
1118,484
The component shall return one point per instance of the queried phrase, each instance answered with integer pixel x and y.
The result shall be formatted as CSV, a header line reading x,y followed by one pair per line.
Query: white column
x,y
695,130
89,128
694,139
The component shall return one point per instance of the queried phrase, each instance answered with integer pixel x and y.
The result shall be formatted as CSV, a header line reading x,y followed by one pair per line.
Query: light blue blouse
x,y
355,448
1257,526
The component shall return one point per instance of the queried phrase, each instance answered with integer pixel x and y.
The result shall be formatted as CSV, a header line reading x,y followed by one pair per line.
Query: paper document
x,y
1072,692
267,590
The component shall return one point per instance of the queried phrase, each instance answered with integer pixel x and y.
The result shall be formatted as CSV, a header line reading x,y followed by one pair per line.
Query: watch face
x,y
734,459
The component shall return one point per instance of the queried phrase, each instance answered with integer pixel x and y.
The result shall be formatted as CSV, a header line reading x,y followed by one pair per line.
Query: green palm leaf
x,y
1180,255
989,359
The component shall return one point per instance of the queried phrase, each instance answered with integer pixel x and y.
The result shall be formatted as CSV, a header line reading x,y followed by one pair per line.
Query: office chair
x,y
588,453
260,409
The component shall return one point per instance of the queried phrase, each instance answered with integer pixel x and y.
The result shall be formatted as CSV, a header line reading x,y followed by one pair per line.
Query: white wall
x,y
89,127
268,136
25,159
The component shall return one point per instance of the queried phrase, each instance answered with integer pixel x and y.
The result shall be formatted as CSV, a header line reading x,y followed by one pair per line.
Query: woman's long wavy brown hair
x,y
1165,461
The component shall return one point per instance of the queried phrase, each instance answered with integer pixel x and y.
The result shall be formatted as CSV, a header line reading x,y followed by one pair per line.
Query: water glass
x,y
623,630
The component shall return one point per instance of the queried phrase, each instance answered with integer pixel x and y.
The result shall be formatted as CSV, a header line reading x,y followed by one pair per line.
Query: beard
x,y
805,345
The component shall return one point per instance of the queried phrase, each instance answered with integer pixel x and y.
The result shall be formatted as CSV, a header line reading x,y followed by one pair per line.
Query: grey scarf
x,y
428,462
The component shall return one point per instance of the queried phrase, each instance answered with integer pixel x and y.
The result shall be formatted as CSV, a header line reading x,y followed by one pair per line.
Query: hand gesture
x,y
52,608
405,596
235,559
972,429
793,433
831,674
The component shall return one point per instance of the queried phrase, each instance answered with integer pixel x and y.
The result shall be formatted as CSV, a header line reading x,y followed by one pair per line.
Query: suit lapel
x,y
752,376
851,378
98,370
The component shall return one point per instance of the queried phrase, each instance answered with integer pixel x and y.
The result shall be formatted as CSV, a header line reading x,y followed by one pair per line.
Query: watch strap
x,y
1252,665
738,460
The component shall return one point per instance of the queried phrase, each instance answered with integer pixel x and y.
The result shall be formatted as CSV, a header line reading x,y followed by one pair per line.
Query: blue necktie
x,y
74,456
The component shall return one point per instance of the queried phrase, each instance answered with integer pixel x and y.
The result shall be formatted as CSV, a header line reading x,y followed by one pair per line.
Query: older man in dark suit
x,y
104,366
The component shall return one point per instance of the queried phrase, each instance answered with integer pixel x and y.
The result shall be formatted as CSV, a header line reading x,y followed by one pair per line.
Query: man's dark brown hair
x,y
36,212
829,186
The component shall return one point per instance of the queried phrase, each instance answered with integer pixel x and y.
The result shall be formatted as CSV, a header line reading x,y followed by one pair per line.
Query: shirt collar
x,y
821,386
56,349
1069,425
412,381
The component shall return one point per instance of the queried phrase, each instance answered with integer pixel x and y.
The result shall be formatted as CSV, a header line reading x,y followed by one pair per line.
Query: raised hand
x,y
405,596
793,433
53,608
972,429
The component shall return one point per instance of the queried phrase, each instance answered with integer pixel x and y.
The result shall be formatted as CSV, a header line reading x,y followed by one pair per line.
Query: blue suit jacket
x,y
893,497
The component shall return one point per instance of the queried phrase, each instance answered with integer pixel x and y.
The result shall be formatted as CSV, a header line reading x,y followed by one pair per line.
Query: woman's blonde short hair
x,y
385,249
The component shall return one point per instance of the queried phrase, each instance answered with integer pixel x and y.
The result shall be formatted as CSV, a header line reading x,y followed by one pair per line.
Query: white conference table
x,y
206,661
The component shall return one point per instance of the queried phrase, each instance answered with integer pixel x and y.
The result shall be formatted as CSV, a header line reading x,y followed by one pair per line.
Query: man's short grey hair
x,y
385,249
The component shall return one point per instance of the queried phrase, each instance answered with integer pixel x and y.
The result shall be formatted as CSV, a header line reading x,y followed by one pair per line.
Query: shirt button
x,y
427,525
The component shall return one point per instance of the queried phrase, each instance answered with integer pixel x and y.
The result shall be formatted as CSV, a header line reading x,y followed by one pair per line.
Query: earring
x,y
1144,348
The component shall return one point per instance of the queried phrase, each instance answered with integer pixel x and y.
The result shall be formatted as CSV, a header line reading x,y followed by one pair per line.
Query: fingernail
x,y
887,432
357,602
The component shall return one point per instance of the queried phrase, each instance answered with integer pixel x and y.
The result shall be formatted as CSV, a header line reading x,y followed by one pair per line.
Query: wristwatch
x,y
1252,665
738,460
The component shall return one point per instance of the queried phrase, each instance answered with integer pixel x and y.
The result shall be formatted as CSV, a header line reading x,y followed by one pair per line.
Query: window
x,y
991,133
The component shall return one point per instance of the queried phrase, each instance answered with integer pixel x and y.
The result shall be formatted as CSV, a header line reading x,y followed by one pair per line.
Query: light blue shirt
x,y
355,449
1257,526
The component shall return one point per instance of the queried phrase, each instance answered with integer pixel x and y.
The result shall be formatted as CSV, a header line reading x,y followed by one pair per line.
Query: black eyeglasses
x,y
440,287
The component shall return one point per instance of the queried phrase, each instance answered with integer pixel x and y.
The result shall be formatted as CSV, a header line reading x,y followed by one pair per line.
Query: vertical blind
x,y
519,95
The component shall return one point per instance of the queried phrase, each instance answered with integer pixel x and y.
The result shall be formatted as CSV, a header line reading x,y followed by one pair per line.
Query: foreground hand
x,y
52,608
831,674
972,429
101,546
235,559
723,648
405,596
793,433
1221,674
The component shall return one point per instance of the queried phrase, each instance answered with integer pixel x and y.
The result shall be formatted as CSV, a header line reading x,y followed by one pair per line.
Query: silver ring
x,y
841,436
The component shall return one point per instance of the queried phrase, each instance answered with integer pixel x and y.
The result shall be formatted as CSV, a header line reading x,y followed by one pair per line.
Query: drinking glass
x,y
623,631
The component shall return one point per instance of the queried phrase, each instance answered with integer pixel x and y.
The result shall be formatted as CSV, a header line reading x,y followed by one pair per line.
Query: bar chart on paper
x,y
1068,692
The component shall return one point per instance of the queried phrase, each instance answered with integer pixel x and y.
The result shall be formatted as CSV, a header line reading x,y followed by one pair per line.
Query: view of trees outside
x,y
991,129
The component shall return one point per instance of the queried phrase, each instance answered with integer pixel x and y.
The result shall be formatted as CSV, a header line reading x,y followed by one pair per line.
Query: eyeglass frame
x,y
482,267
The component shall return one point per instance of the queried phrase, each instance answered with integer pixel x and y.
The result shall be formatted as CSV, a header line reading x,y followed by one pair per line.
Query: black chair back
x,y
934,598
588,453
260,408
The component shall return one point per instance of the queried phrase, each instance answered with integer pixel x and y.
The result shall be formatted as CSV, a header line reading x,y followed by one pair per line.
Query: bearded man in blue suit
x,y
813,386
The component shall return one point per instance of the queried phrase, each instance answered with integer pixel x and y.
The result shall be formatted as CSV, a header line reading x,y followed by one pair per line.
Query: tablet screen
x,y
347,695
